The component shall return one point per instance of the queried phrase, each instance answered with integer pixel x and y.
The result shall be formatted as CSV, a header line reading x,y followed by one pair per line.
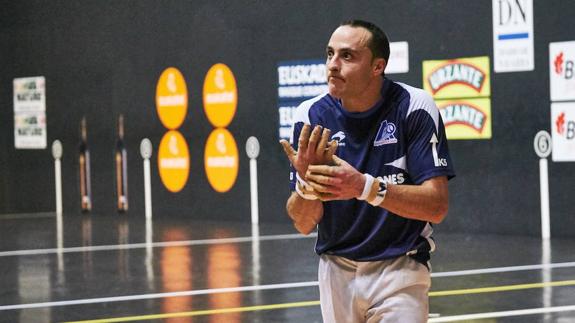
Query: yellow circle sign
x,y
172,98
174,161
220,95
221,160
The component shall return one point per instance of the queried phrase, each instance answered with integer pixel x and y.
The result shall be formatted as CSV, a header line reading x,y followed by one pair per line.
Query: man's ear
x,y
379,66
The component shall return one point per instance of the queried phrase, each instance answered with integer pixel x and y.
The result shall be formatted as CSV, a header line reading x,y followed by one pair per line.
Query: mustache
x,y
335,75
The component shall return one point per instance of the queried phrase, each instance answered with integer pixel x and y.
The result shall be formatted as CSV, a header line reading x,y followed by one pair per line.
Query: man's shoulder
x,y
411,99
319,102
413,94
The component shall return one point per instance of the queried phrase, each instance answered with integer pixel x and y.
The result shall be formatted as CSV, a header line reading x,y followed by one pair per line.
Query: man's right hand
x,y
314,148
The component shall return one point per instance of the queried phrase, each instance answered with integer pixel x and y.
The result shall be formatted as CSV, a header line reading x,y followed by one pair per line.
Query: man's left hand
x,y
339,181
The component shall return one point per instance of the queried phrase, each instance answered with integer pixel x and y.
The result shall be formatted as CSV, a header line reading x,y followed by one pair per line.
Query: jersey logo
x,y
437,162
339,137
385,134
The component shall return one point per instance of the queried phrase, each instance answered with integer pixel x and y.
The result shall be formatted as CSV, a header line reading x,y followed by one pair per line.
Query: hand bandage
x,y
304,190
381,190
367,187
374,190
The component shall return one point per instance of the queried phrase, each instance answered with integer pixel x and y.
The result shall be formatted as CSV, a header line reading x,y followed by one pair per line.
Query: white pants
x,y
387,291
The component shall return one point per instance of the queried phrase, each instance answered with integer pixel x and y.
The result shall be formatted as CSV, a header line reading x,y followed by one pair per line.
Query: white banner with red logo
x,y
562,70
563,131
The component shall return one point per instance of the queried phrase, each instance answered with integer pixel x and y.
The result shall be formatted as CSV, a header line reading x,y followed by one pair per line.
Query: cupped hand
x,y
314,148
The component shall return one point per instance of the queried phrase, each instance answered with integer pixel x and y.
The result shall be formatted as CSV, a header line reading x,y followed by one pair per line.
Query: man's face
x,y
350,67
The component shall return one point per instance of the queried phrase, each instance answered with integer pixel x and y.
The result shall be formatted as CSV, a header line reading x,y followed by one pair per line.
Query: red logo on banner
x,y
559,63
560,123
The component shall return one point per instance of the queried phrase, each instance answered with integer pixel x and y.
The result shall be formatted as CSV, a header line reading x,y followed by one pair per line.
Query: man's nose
x,y
333,64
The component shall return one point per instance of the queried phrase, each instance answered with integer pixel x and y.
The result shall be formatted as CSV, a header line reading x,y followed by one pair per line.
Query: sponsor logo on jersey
x,y
385,134
394,179
339,137
464,114
456,73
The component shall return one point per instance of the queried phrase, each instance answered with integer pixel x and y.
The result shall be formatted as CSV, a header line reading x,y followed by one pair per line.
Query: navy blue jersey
x,y
402,139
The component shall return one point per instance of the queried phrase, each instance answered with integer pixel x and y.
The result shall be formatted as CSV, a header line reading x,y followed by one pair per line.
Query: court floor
x,y
119,268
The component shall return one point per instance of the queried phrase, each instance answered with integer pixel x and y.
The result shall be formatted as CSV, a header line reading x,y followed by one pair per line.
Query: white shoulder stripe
x,y
421,100
302,113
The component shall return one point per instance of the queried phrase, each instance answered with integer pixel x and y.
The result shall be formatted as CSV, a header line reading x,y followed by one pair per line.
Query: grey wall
x,y
101,58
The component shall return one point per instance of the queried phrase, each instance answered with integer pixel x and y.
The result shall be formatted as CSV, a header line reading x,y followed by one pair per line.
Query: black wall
x,y
102,58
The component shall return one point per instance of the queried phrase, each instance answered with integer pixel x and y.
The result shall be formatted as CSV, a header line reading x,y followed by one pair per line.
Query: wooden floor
x,y
123,269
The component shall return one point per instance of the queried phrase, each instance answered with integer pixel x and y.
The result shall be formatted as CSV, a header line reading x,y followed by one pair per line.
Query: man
x,y
374,199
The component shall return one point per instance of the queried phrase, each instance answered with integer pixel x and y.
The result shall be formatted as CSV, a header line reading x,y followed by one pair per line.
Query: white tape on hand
x,y
367,187
380,196
304,190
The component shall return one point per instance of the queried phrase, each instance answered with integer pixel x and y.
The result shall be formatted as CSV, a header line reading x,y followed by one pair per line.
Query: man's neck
x,y
367,100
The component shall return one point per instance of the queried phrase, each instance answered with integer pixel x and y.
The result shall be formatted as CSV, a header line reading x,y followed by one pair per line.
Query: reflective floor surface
x,y
125,269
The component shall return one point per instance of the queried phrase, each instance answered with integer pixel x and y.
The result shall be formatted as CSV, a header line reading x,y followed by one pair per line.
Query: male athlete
x,y
370,170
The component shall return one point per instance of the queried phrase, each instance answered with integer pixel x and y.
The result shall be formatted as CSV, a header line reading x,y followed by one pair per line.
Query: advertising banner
x,y
297,82
457,78
461,88
513,36
30,113
398,58
466,118
561,77
563,131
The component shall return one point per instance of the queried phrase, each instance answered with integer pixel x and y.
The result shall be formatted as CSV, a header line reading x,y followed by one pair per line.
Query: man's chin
x,y
334,92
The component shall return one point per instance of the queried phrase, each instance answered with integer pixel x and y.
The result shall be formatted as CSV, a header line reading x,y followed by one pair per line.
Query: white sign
x,y
561,70
252,147
563,131
513,35
30,113
542,144
398,58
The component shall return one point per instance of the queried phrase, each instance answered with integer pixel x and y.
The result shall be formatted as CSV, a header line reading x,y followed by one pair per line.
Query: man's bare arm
x,y
305,214
426,202
314,148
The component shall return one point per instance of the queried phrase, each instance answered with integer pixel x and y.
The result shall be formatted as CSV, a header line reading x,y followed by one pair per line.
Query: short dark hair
x,y
378,44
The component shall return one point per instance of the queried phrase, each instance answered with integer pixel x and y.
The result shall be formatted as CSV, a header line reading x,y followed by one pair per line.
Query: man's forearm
x,y
305,214
426,202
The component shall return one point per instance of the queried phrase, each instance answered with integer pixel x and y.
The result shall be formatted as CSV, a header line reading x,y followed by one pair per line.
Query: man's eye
x,y
346,56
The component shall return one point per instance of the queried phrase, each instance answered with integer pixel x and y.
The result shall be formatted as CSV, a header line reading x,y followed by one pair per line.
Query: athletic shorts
x,y
393,290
